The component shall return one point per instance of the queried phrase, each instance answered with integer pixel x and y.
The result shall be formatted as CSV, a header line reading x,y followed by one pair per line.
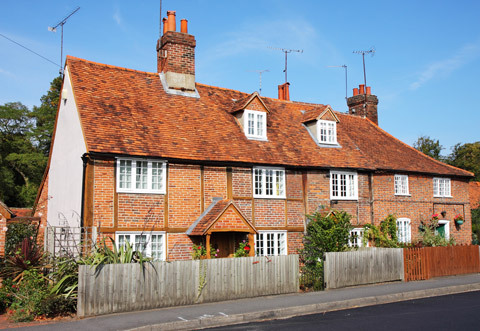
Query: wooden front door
x,y
226,242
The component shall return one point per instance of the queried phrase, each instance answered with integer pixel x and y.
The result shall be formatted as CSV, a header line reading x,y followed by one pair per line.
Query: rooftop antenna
x,y
286,51
346,87
54,29
370,51
160,22
260,72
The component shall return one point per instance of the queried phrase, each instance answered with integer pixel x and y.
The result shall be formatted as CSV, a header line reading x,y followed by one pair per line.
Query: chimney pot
x,y
165,24
369,90
355,91
362,88
184,26
283,92
172,24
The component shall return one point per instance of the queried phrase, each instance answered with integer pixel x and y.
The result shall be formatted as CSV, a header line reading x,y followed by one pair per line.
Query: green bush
x,y
16,232
326,232
385,235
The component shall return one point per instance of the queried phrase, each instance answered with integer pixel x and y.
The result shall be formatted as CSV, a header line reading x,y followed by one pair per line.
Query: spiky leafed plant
x,y
28,256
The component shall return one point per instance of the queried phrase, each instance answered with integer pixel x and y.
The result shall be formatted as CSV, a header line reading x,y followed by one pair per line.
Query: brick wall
x,y
41,210
3,231
185,202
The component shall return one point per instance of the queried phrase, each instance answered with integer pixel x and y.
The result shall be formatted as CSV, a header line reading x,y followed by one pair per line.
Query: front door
x,y
226,242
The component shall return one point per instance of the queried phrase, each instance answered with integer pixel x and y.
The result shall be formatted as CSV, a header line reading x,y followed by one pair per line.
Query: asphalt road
x,y
450,312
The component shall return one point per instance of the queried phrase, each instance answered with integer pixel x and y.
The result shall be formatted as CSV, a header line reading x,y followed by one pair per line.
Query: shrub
x,y
243,249
325,233
16,232
385,235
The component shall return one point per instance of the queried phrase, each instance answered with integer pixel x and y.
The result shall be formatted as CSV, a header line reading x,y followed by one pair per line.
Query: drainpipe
x,y
82,216
370,180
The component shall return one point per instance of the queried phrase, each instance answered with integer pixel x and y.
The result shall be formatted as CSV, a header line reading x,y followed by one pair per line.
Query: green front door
x,y
441,230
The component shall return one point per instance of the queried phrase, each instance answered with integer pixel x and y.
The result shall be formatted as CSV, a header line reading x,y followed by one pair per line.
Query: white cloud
x,y
445,67
117,16
7,73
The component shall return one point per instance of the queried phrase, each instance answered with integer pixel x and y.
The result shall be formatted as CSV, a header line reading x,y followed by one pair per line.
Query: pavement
x,y
224,313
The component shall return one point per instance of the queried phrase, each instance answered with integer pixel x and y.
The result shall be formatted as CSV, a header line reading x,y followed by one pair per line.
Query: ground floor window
x,y
356,237
150,244
404,232
271,243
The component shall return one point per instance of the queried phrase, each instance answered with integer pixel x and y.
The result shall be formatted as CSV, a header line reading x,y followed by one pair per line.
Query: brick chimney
x,y
363,103
283,92
176,55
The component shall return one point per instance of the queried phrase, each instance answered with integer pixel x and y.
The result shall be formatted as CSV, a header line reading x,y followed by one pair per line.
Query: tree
x,y
21,165
429,147
44,116
466,156
25,138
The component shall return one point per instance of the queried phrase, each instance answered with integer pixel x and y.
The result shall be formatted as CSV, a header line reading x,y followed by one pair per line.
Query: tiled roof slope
x,y
474,190
127,112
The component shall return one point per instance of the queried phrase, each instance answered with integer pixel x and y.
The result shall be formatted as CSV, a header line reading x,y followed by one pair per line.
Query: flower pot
x,y
459,222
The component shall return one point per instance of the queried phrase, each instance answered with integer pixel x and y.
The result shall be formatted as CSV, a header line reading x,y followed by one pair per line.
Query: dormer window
x,y
327,132
256,124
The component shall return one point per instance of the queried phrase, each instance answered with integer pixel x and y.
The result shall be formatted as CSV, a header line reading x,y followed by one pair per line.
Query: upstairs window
x,y
404,232
255,124
327,132
401,185
141,176
271,243
268,183
441,187
343,185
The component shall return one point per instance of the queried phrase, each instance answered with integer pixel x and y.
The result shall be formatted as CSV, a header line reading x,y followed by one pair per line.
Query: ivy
x,y
385,235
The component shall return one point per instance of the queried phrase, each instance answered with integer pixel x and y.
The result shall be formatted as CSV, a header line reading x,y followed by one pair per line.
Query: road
x,y
450,312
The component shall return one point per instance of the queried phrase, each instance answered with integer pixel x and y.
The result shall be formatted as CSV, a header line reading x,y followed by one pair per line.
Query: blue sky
x,y
424,71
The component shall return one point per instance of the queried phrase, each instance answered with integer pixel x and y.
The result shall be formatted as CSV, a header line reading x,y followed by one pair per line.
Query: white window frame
x,y
150,174
401,185
263,187
404,230
330,136
351,185
271,243
442,187
259,129
358,240
148,239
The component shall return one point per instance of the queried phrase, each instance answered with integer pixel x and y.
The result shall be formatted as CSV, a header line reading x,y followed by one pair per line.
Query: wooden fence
x,y
428,262
365,266
128,287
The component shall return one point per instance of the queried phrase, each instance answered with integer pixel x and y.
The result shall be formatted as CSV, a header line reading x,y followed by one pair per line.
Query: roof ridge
x,y
70,57
414,149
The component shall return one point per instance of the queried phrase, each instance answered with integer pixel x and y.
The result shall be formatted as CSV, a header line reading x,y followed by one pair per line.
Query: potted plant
x,y
458,219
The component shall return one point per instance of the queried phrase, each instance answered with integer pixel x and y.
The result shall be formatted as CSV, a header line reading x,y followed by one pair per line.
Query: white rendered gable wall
x,y
66,165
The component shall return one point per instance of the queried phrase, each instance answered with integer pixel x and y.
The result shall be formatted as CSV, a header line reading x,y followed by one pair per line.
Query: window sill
x,y
141,192
269,198
443,196
257,138
403,195
343,199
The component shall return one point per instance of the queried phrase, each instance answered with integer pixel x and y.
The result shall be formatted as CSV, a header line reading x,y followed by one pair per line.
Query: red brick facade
x,y
191,189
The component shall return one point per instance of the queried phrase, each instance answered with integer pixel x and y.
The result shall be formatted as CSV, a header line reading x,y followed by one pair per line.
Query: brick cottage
x,y
162,161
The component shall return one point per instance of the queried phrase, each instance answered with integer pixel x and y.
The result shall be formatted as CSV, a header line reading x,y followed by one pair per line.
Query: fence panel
x,y
428,262
128,287
365,266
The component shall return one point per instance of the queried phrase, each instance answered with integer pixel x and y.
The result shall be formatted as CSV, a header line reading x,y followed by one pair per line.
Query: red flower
x,y
434,215
247,248
199,247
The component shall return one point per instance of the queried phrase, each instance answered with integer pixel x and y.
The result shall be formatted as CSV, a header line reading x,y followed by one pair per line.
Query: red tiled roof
x,y
214,214
22,212
124,111
474,190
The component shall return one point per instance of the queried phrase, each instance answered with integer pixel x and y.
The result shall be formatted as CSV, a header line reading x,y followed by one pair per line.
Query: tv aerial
x,y
371,51
344,66
286,51
259,72
54,29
